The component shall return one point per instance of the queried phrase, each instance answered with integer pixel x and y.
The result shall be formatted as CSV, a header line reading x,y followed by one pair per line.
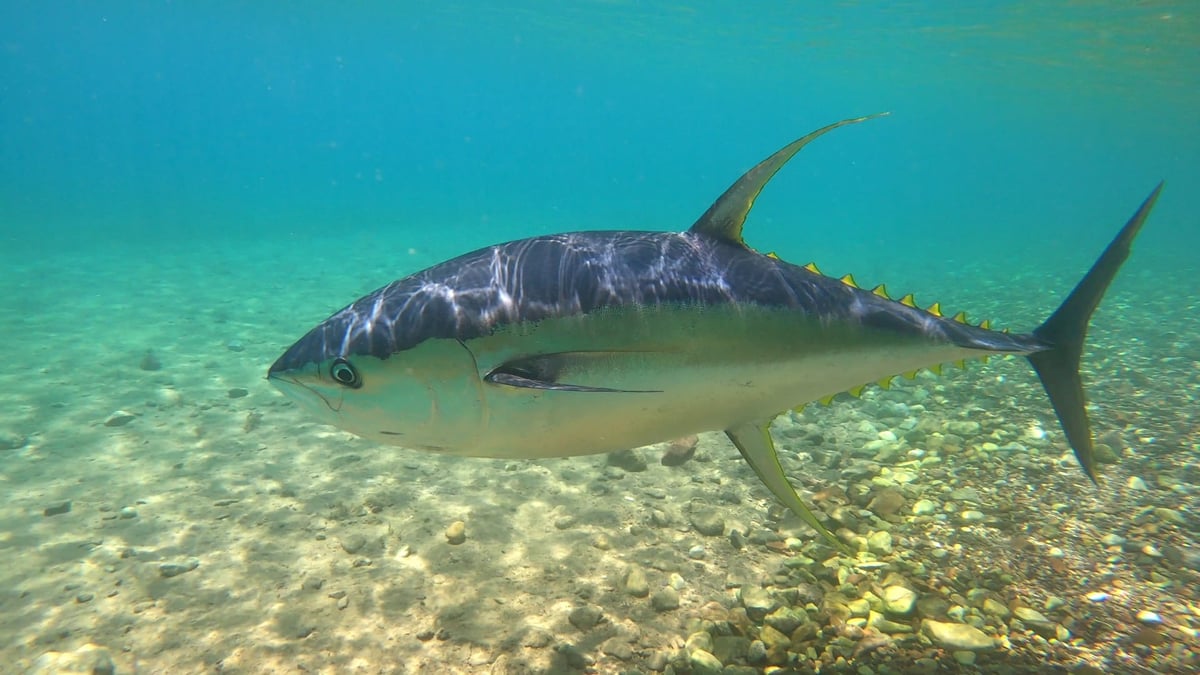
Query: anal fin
x,y
754,441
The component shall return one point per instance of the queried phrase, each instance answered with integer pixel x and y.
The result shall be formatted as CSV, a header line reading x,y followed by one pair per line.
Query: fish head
x,y
429,396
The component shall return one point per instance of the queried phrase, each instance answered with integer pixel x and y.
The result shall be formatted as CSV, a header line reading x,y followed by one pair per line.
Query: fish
x,y
598,341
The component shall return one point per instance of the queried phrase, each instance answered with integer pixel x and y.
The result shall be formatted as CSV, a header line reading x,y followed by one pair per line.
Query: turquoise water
x,y
207,181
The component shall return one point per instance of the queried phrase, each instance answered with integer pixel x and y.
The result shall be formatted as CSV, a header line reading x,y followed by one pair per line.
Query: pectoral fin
x,y
567,371
754,442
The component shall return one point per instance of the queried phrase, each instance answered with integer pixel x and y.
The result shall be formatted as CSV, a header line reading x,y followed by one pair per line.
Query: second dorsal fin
x,y
724,219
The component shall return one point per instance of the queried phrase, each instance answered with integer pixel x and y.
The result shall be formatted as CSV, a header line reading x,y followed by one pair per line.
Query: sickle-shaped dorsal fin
x,y
724,219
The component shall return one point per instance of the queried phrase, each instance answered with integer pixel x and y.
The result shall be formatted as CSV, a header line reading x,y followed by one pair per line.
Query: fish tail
x,y
1063,334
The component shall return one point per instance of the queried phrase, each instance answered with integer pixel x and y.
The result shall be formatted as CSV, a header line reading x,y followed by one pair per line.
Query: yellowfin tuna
x,y
590,342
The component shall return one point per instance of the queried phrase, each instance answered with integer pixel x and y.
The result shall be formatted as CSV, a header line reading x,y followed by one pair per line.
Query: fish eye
x,y
344,372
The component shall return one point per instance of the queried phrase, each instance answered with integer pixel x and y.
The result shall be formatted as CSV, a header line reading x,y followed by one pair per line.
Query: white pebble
x,y
1146,616
971,516
1097,596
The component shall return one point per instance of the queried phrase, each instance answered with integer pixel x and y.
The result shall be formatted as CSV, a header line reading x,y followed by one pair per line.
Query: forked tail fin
x,y
1064,333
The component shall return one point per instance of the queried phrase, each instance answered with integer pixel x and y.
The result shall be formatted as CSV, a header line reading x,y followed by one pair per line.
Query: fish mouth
x,y
283,382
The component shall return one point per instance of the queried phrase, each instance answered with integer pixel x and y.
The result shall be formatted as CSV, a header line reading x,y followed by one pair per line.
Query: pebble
x,y
1136,483
992,607
238,392
1112,540
616,647
119,418
899,601
1097,596
150,362
859,607
1148,617
697,553
972,516
456,533
629,460
586,617
885,625
57,509
757,653
707,521
665,600
957,636
704,663
924,507
174,569
964,657
966,494
773,639
787,619
636,583
1029,614
354,543
757,601
128,512
235,346
964,428
680,450
880,542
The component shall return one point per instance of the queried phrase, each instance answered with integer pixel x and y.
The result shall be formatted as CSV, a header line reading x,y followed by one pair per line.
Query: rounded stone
x,y
880,542
757,601
924,507
899,601
1148,617
1029,614
456,533
957,636
708,522
964,657
585,618
636,583
665,600
704,663
972,516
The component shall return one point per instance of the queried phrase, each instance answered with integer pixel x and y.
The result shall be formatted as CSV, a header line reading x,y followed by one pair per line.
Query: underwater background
x,y
186,188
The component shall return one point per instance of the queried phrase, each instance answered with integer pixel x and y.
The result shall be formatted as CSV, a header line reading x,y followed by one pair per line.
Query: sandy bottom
x,y
302,548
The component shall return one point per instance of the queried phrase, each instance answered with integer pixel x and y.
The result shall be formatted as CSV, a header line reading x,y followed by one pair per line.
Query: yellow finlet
x,y
936,369
986,324
881,292
885,383
910,375
961,317
908,301
827,400
772,255
935,309
849,281
856,391
812,267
